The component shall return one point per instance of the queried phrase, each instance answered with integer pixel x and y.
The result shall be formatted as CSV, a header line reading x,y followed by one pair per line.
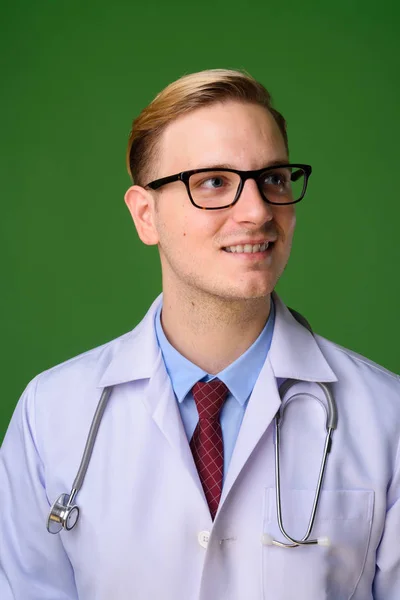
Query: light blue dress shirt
x,y
240,378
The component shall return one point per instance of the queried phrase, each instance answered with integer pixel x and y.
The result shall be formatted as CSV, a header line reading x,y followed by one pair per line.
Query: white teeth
x,y
248,248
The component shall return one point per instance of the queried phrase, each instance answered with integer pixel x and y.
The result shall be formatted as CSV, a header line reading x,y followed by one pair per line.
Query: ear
x,y
140,203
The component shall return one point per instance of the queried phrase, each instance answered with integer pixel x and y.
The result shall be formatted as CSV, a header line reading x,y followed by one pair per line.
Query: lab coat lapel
x,y
294,354
138,356
162,405
261,409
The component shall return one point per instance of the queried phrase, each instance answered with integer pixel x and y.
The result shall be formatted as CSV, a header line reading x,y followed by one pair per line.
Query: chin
x,y
252,292
258,288
252,287
256,294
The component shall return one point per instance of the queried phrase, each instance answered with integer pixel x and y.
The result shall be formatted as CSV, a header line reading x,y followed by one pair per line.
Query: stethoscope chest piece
x,y
63,515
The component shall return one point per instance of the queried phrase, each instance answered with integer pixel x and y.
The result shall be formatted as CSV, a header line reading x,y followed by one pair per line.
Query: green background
x,y
74,74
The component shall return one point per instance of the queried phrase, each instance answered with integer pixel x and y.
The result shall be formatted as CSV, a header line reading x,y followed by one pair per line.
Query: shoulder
x,y
348,364
368,400
87,366
126,356
64,397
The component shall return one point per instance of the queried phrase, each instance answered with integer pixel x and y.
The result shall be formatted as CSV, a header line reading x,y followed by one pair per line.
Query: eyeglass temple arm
x,y
154,185
296,175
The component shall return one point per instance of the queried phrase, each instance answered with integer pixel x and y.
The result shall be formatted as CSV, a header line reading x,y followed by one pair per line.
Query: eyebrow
x,y
272,163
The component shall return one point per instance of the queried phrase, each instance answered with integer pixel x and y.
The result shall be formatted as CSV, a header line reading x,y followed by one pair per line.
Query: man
x,y
178,501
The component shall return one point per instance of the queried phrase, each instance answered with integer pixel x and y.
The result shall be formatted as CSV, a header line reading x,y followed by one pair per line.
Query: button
x,y
203,538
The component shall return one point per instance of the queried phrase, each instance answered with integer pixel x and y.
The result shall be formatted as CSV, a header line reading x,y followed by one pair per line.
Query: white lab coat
x,y
142,504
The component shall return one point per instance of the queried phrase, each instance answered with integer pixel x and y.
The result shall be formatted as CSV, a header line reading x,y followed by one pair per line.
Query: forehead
x,y
241,135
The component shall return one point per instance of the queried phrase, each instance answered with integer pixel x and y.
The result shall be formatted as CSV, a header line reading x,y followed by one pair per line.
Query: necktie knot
x,y
209,397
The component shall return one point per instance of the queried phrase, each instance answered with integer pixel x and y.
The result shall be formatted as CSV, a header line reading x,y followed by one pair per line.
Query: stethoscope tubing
x,y
94,428
63,513
331,424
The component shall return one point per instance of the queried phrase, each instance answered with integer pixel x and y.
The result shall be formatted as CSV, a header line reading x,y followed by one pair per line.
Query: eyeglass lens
x,y
211,189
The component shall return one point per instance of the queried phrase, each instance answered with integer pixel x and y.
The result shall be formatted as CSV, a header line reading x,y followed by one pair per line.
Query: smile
x,y
248,248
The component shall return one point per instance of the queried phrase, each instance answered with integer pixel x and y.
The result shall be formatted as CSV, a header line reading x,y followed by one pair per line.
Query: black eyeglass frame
x,y
184,176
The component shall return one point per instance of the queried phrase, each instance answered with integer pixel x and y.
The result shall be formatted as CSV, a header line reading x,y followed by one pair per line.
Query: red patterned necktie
x,y
206,443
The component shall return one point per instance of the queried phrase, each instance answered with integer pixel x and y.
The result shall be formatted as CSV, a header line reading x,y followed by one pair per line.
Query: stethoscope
x,y
64,514
331,424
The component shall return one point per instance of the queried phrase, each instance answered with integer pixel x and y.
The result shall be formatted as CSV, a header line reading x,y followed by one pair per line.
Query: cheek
x,y
292,223
169,220
286,221
197,228
185,230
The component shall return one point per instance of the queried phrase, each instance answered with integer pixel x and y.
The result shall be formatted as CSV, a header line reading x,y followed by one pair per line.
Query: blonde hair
x,y
182,96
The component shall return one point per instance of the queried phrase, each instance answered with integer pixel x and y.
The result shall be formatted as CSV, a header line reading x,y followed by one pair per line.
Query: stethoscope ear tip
x,y
266,539
323,541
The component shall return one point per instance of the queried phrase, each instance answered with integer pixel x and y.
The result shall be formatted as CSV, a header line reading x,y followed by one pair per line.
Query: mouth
x,y
258,249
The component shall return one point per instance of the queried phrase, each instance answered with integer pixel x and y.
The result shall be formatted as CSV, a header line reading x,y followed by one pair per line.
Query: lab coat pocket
x,y
317,572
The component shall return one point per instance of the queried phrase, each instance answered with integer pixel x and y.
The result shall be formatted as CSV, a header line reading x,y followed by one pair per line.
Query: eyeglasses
x,y
212,189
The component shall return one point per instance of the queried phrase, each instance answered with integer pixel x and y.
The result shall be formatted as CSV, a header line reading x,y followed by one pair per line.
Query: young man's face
x,y
193,242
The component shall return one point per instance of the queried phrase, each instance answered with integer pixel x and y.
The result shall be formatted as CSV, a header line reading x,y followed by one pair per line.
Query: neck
x,y
209,331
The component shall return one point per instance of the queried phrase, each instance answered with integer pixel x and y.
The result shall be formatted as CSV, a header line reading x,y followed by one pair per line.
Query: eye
x,y
210,189
275,179
213,183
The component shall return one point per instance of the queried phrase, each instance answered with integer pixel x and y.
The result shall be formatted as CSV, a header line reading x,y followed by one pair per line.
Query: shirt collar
x,y
182,372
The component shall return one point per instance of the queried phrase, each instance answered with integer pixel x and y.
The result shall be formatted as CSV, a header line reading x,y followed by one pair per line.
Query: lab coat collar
x,y
294,351
136,353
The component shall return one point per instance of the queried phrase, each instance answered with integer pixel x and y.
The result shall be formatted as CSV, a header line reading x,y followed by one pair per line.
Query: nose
x,y
251,206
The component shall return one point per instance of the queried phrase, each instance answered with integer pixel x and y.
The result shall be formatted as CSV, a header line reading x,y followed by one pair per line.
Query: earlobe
x,y
140,204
